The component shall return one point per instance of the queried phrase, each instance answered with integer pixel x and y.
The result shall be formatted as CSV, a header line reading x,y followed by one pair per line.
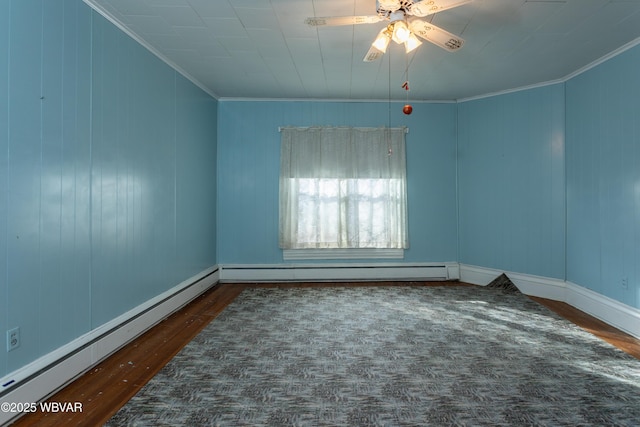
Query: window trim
x,y
339,164
343,253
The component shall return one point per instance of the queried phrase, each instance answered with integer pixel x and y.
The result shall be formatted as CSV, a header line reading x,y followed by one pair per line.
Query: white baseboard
x,y
339,272
528,284
615,313
612,312
46,375
538,286
477,275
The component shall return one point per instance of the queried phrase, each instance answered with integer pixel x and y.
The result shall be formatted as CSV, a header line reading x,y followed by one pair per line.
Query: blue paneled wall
x,y
603,178
511,182
104,150
249,162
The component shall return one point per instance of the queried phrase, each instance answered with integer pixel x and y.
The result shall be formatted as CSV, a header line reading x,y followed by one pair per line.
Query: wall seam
x,y
566,189
457,180
91,120
6,223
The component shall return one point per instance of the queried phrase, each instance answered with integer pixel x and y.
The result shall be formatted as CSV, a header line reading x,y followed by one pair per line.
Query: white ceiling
x,y
263,48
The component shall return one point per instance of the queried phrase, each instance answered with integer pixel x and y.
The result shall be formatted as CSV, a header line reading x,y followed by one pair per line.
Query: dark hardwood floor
x,y
109,385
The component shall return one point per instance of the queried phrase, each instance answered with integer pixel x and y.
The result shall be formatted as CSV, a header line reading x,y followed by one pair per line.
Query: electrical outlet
x,y
625,282
13,339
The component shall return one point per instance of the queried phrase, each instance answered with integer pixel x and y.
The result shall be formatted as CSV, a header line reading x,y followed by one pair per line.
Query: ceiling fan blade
x,y
333,21
373,54
429,7
436,35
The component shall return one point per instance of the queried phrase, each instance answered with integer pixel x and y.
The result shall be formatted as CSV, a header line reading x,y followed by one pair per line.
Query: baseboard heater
x,y
48,374
339,272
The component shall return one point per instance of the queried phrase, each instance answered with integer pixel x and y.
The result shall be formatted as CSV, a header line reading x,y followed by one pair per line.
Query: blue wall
x,y
104,150
511,182
249,162
603,178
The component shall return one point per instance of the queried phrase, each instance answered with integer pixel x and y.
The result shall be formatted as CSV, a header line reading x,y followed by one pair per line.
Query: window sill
x,y
300,254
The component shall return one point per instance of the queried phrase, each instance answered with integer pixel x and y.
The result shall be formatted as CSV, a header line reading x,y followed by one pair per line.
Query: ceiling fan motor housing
x,y
397,16
387,7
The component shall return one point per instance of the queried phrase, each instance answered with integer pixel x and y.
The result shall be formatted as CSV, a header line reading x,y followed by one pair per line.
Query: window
x,y
343,188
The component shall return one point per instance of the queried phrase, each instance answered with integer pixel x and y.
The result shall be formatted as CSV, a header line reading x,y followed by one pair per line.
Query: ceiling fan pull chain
x,y
405,85
407,108
389,148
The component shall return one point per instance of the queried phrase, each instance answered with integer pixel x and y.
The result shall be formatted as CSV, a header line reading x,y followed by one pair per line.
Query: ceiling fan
x,y
404,25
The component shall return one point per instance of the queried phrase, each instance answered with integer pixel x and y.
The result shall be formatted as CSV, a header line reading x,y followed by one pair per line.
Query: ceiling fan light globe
x,y
382,41
411,43
401,32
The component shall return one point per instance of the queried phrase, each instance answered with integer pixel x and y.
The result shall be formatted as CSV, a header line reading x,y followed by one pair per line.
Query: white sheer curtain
x,y
343,188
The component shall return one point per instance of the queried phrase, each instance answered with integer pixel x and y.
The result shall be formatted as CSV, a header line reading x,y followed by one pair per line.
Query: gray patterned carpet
x,y
390,356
